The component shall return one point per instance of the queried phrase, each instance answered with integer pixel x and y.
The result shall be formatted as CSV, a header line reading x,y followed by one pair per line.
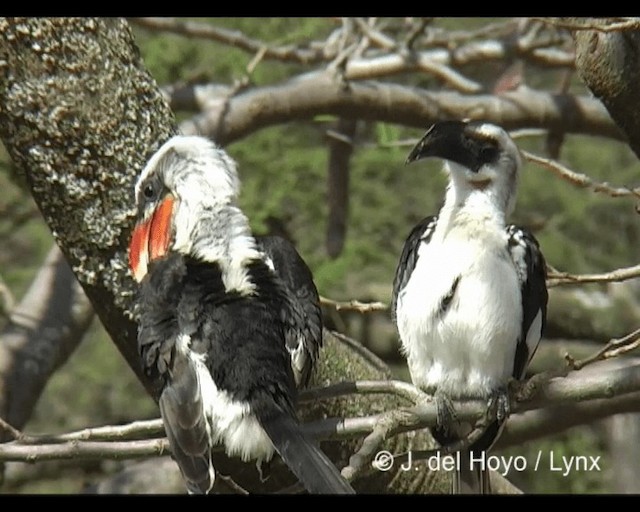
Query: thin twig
x,y
233,38
416,31
15,433
142,429
613,348
555,278
457,446
7,297
256,60
232,484
581,180
375,36
354,305
388,422
83,450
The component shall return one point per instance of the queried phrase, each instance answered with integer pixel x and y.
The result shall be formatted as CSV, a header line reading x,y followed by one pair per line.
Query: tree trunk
x,y
609,64
79,115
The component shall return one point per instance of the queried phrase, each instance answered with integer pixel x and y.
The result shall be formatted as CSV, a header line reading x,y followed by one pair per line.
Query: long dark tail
x,y
470,478
312,467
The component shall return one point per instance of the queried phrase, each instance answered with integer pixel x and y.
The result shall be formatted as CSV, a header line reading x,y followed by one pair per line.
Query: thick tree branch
x,y
536,424
456,49
43,330
606,25
340,142
321,93
607,388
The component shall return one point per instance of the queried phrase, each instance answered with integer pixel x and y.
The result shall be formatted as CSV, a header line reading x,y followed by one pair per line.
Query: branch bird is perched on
x,y
469,294
229,323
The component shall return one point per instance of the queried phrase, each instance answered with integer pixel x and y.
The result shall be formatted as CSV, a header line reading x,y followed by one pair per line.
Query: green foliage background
x,y
283,170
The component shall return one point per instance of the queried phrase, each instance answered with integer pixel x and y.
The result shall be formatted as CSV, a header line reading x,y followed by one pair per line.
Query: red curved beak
x,y
151,238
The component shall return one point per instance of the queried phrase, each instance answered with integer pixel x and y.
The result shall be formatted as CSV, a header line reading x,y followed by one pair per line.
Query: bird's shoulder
x,y
421,233
524,250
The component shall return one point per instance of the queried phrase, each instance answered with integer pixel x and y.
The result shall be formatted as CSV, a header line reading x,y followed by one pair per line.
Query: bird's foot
x,y
499,405
524,391
446,414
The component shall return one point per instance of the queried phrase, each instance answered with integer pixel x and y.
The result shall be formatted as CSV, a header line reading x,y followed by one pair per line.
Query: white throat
x,y
472,211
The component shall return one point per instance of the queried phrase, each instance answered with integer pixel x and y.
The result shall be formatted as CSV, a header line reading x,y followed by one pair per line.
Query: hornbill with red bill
x,y
229,322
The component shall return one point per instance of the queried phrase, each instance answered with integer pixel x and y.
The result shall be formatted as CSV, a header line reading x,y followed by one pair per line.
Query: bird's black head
x,y
480,157
470,144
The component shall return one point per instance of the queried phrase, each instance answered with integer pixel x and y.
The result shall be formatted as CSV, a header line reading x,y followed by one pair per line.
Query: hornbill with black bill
x,y
469,294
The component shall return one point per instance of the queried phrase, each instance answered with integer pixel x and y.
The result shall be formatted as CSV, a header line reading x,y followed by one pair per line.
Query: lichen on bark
x,y
79,115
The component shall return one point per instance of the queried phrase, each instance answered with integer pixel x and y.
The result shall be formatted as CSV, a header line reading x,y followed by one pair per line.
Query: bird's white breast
x,y
467,350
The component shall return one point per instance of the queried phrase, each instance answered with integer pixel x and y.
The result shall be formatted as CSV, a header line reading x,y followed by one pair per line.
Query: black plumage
x,y
229,323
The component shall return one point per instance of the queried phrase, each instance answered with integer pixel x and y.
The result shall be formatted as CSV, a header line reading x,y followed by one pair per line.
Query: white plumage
x,y
469,296
469,351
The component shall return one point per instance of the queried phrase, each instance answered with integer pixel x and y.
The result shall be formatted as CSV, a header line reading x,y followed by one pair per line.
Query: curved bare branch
x,y
321,93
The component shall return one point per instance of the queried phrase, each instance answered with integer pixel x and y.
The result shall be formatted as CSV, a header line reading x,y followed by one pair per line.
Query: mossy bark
x,y
79,114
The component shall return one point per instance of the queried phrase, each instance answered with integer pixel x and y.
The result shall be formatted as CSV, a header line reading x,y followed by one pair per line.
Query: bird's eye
x,y
488,153
149,191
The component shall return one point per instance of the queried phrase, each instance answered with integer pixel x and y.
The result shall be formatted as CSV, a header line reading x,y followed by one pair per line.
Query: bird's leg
x,y
446,415
499,405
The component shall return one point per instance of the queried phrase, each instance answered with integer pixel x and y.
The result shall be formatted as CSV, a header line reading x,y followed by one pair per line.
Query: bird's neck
x,y
223,236
473,208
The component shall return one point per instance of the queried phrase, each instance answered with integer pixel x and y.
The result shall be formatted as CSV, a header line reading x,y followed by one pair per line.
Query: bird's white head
x,y
188,182
479,157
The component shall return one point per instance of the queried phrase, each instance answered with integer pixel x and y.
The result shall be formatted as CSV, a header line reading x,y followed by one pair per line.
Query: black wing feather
x,y
301,312
531,268
422,232
181,399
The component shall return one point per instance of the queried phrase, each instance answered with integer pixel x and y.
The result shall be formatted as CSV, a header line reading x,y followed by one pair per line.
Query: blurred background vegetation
x,y
284,169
